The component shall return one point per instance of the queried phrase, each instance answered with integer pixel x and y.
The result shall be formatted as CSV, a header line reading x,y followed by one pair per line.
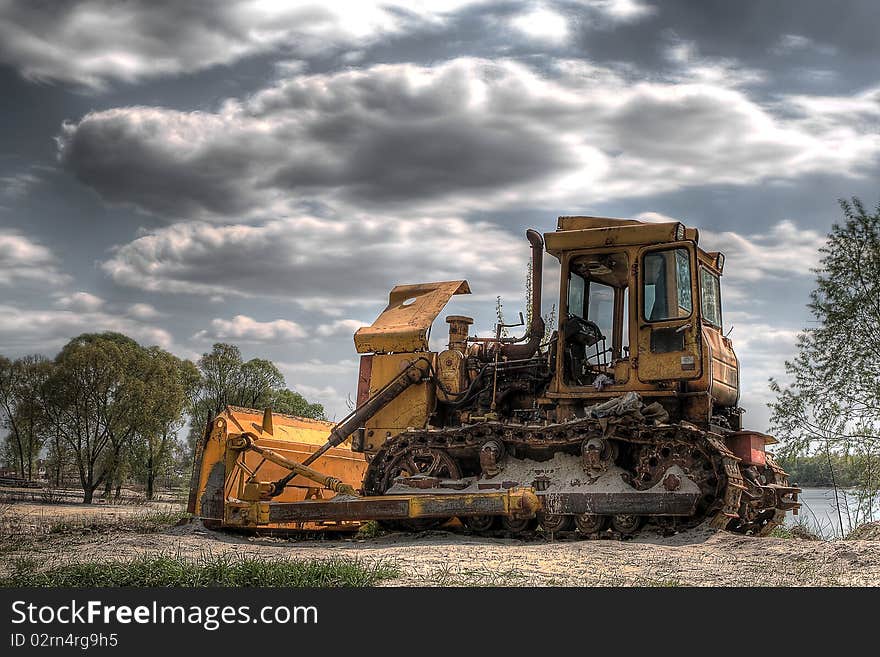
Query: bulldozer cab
x,y
640,309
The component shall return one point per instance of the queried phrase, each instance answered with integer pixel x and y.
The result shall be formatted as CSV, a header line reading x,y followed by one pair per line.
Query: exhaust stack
x,y
536,327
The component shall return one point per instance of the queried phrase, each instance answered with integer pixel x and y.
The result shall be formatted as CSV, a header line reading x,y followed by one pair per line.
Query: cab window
x,y
710,296
576,289
600,308
667,285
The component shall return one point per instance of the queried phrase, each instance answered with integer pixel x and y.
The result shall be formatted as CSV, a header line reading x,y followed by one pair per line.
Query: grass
x,y
447,575
370,529
140,523
801,531
18,531
205,571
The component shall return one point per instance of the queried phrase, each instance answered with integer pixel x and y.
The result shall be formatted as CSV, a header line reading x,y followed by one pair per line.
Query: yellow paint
x,y
404,324
411,409
294,438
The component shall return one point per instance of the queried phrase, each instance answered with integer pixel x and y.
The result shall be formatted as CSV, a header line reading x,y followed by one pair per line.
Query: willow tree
x,y
95,401
21,412
831,402
165,385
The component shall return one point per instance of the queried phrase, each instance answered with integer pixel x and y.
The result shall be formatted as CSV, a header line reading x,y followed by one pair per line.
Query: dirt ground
x,y
699,557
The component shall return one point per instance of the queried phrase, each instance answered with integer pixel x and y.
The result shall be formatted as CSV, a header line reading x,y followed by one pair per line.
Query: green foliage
x,y
21,412
96,399
821,470
206,571
166,385
108,410
226,379
831,405
293,403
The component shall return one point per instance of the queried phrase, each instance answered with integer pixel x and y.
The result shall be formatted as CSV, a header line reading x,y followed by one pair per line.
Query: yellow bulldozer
x,y
623,414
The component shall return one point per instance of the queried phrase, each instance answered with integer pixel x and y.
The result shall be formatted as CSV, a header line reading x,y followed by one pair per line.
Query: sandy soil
x,y
699,557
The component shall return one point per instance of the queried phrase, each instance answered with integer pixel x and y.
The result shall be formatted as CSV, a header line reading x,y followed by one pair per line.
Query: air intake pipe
x,y
536,327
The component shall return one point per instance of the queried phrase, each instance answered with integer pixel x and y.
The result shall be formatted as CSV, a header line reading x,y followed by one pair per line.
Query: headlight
x,y
679,232
719,262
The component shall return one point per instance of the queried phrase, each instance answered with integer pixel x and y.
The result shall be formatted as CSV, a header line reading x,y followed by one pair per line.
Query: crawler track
x,y
732,497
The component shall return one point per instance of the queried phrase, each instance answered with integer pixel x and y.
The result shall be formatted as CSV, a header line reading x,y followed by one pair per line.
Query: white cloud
x,y
790,42
796,43
784,250
22,259
762,348
80,302
542,24
45,331
246,329
142,311
344,369
333,262
17,185
340,327
91,42
655,217
335,403
623,11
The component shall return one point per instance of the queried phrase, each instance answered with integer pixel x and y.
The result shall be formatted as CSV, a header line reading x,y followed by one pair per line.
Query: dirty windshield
x,y
667,289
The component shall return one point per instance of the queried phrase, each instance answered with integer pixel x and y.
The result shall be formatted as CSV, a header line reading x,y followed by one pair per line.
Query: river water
x,y
819,511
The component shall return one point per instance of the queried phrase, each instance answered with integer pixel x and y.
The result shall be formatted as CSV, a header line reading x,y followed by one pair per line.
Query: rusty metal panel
x,y
666,503
519,502
403,325
723,372
587,222
365,373
748,446
616,233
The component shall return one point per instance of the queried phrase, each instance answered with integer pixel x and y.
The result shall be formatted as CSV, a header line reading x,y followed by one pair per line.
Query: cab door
x,y
668,316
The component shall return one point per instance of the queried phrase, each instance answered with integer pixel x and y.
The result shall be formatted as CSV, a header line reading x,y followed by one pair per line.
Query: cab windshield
x,y
667,285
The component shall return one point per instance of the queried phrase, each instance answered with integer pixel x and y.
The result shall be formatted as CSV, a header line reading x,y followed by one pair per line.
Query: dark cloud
x,y
135,156
794,41
396,161
466,133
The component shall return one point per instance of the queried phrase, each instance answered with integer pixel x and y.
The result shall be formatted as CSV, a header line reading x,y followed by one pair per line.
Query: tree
x,y
166,383
831,403
293,403
21,382
92,400
259,380
227,380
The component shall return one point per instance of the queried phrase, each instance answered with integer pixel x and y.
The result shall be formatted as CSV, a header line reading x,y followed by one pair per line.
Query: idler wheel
x,y
590,523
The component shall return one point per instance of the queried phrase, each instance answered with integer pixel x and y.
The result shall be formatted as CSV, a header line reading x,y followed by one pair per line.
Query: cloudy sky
x,y
263,172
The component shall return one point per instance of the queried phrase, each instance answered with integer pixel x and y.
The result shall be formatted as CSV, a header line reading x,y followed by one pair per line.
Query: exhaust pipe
x,y
536,327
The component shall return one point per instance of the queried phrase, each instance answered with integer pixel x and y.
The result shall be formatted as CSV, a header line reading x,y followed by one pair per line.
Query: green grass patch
x,y
800,531
370,529
448,575
206,571
140,523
